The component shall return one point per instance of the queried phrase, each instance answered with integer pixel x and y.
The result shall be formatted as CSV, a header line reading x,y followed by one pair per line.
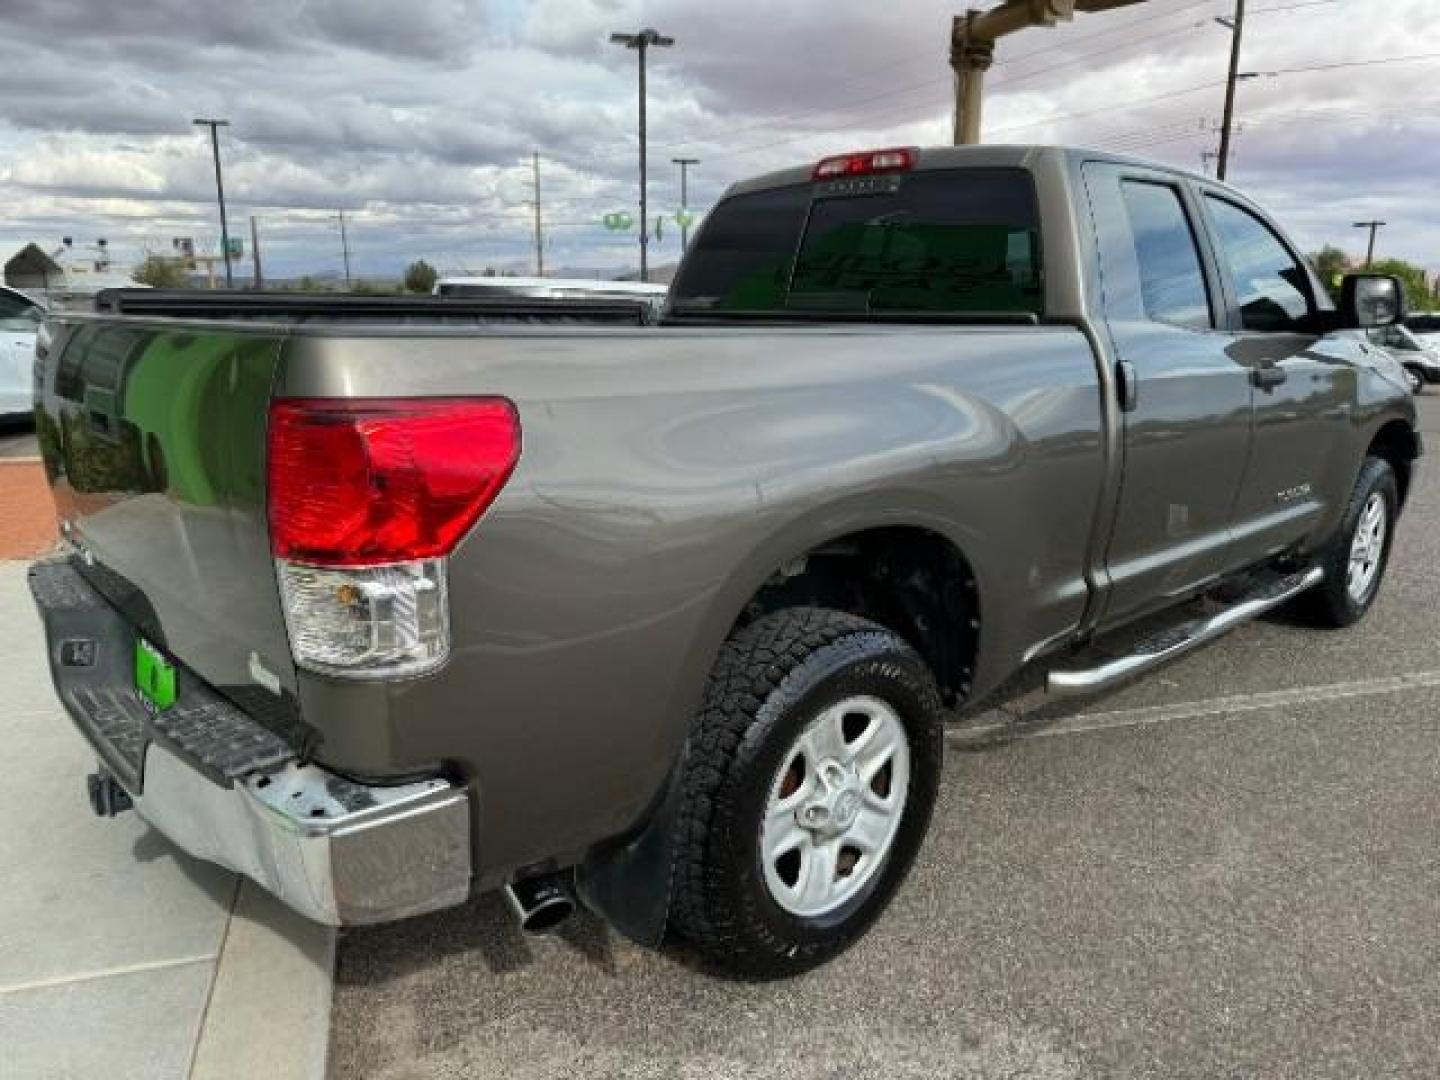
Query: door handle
x,y
1267,378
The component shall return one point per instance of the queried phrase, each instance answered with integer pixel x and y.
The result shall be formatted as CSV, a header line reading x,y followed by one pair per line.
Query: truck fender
x,y
627,881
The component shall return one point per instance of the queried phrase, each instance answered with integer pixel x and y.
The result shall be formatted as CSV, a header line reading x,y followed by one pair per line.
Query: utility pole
x,y
1237,30
539,237
344,246
215,126
684,163
972,47
255,252
1374,227
642,42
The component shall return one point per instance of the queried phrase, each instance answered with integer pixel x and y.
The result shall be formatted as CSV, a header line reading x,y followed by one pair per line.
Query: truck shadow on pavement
x,y
482,927
1021,706
485,928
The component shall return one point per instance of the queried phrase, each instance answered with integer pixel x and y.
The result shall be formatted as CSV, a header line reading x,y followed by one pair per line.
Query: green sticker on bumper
x,y
154,676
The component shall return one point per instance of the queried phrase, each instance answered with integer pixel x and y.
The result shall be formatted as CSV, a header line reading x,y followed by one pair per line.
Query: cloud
x,y
419,119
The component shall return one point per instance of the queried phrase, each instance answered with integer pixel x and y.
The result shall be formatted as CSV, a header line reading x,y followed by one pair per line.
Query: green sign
x,y
618,221
684,218
236,247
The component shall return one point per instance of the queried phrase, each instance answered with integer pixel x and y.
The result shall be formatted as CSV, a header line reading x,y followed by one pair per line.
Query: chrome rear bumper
x,y
335,851
226,789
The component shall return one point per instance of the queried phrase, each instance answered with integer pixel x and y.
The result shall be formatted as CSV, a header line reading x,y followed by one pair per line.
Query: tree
x,y
1418,296
420,277
1331,264
160,272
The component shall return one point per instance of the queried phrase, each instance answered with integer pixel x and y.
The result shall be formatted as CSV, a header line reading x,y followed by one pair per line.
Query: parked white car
x,y
20,319
1418,355
1425,325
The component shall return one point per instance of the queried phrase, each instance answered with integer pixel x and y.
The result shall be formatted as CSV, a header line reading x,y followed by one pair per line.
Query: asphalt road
x,y
1228,869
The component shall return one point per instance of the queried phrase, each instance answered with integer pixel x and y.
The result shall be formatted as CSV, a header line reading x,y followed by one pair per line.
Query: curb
x,y
269,1008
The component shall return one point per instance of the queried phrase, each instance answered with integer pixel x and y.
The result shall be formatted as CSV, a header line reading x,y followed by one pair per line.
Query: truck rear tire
x,y
808,785
1357,556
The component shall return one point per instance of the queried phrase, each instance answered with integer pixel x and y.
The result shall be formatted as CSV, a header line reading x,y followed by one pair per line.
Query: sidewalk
x,y
27,514
120,957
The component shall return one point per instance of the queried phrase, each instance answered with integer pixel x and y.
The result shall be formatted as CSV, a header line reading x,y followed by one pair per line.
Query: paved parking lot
x,y
1227,869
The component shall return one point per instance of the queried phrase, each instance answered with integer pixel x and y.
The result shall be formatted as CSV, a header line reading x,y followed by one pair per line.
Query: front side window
x,y
1172,281
1273,288
960,241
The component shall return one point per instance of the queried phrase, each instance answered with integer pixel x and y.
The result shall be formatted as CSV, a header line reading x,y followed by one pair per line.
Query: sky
x,y
418,119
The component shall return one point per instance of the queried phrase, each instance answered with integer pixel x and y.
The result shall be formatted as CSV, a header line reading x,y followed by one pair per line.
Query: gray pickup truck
x,y
384,603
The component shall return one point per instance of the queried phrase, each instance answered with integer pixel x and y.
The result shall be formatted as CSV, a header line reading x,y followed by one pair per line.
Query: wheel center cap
x,y
847,807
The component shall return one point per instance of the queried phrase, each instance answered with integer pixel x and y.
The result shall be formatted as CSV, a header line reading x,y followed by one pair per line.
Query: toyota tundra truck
x,y
383,603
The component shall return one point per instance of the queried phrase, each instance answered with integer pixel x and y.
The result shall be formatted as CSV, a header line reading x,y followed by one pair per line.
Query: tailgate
x,y
154,439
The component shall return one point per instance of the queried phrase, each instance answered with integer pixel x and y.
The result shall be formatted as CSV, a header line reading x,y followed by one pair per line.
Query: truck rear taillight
x,y
367,497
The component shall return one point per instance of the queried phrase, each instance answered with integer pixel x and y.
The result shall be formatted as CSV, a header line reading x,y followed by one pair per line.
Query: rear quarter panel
x,y
665,474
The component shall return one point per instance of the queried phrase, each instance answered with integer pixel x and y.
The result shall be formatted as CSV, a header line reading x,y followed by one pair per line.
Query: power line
x,y
1353,64
1090,57
1110,108
945,79
1148,20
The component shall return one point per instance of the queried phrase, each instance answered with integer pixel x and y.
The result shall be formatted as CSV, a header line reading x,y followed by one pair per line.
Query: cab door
x,y
1305,384
1185,404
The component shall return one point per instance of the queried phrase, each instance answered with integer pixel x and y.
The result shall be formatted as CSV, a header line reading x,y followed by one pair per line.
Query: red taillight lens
x,y
360,481
867,163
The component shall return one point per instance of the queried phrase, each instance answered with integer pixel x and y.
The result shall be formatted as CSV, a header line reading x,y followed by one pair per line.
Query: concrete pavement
x,y
1227,869
120,957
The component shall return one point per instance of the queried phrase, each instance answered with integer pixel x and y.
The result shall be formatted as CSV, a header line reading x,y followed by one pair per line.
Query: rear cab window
x,y
1172,277
962,242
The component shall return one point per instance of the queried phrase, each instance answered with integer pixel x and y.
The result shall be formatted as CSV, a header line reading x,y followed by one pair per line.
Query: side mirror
x,y
1371,300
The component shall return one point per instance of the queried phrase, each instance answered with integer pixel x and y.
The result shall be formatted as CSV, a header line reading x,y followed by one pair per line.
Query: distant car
x,y
1418,356
1425,325
20,319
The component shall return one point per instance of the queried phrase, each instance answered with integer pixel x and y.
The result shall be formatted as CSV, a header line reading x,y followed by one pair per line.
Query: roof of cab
x,y
951,157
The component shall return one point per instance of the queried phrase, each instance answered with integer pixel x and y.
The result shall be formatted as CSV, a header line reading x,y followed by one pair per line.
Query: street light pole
x,y
641,42
1374,227
684,163
344,245
215,126
1237,30
539,236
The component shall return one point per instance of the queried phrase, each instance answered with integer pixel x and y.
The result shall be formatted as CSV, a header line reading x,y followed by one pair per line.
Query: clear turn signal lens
x,y
367,622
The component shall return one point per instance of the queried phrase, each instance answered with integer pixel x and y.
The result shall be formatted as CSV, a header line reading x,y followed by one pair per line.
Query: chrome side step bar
x,y
1179,640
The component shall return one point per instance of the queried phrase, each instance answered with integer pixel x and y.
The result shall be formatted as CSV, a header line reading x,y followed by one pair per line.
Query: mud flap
x,y
629,882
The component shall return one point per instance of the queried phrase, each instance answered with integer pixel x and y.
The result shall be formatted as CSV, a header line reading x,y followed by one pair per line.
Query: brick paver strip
x,y
27,512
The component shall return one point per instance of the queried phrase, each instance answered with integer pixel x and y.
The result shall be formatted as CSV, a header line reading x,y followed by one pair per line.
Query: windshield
x,y
1397,338
18,313
960,241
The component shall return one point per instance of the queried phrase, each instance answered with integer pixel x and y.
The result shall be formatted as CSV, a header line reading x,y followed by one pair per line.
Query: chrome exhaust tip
x,y
540,903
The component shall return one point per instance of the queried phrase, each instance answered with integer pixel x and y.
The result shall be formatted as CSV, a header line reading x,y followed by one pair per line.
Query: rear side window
x,y
960,241
1272,285
1172,281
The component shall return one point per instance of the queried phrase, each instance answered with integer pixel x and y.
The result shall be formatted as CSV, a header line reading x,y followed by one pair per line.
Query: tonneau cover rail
x,y
307,307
